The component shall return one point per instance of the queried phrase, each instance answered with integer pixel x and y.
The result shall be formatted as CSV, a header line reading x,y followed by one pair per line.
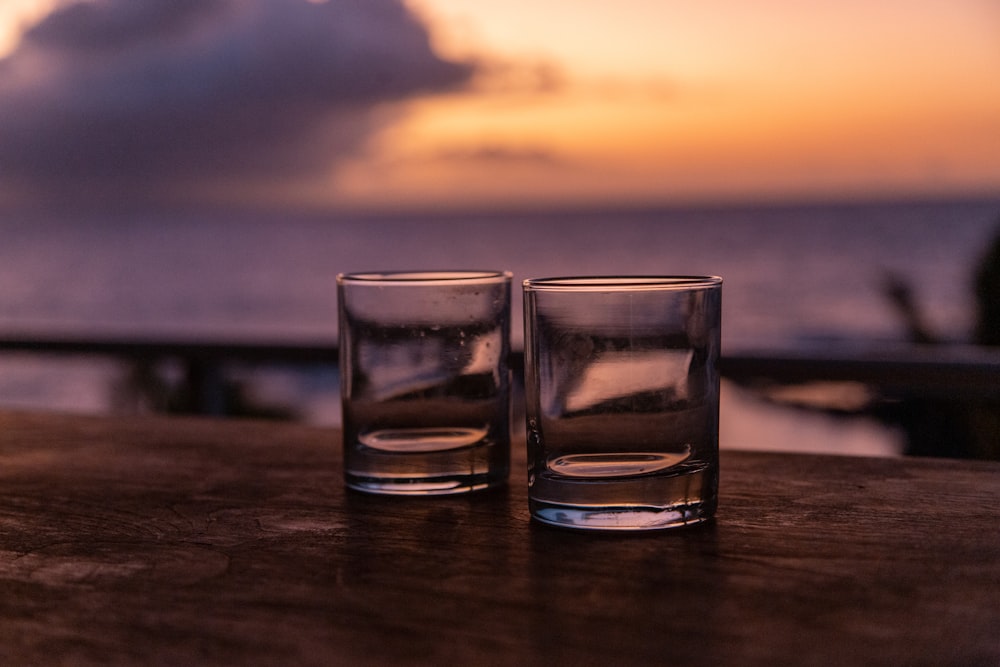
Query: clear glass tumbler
x,y
425,386
622,392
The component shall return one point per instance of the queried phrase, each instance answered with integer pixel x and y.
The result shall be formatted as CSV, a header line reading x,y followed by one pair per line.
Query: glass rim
x,y
622,283
422,277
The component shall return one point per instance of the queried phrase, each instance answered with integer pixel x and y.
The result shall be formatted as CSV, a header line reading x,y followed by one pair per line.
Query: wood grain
x,y
182,541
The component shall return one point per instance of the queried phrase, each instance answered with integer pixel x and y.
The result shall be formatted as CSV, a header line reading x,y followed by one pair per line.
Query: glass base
x,y
620,518
687,495
426,461
423,486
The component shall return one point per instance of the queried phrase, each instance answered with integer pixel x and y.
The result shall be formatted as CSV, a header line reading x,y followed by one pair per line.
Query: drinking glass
x,y
424,380
622,400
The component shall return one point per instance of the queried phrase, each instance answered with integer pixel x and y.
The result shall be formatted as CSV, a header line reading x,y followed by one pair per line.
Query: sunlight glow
x,y
670,98
15,16
653,100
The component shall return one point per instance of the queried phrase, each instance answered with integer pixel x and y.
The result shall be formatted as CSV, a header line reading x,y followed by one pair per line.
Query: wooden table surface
x,y
196,542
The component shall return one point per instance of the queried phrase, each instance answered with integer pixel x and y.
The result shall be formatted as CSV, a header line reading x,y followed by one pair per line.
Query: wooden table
x,y
197,542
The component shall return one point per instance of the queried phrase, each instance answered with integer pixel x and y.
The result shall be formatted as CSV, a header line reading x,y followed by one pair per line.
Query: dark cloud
x,y
143,98
538,77
499,154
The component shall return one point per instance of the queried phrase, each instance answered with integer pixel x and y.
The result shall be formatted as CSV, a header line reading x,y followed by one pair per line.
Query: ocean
x,y
794,274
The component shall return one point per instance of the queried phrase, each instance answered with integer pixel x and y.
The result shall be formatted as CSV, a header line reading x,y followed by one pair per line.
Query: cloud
x,y
498,154
148,100
520,76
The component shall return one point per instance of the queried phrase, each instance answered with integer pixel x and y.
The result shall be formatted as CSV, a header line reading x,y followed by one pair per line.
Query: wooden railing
x,y
895,369
204,388
951,371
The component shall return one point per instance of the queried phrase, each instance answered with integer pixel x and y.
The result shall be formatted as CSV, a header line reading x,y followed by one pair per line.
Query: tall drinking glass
x,y
622,391
425,381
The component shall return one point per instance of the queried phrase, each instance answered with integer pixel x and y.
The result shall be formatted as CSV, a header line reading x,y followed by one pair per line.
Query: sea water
x,y
794,273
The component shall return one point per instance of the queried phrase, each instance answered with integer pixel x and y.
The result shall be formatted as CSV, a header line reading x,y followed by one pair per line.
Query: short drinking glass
x,y
424,380
622,390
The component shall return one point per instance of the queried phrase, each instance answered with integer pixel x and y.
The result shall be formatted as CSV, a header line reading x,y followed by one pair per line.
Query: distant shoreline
x,y
547,210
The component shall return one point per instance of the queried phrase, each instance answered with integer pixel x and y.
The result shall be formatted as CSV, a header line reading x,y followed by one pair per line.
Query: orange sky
x,y
649,101
657,99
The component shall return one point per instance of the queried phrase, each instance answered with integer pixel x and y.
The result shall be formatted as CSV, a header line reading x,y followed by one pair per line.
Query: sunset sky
x,y
289,103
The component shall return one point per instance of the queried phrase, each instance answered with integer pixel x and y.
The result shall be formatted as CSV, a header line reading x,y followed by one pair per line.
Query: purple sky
x,y
151,101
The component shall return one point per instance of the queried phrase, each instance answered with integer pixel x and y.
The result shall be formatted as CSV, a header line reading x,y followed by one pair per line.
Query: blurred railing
x,y
204,387
895,370
944,398
961,372
197,351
